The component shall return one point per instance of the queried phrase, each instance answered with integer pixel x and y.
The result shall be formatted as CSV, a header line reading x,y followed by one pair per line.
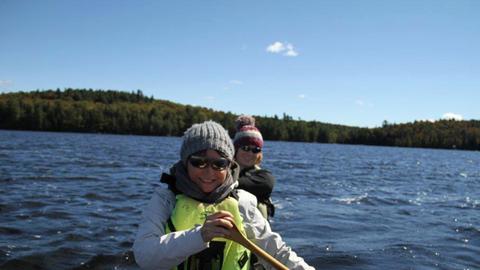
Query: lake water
x,y
73,201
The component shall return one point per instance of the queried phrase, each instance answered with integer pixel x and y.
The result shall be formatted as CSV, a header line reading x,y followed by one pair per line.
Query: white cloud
x,y
302,96
291,53
359,102
232,84
6,83
210,98
363,103
237,82
276,47
286,49
452,116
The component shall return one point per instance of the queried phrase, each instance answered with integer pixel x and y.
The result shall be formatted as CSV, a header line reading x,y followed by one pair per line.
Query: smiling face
x,y
207,178
247,159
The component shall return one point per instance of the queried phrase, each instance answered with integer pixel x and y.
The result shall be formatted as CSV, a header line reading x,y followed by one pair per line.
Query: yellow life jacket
x,y
222,254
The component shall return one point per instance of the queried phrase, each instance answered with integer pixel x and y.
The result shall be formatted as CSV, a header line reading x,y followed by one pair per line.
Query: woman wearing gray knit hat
x,y
185,225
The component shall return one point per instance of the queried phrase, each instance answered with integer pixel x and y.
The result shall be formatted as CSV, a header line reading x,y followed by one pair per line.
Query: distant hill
x,y
109,111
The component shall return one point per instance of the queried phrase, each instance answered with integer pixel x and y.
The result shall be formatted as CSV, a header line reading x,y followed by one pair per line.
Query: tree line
x,y
88,110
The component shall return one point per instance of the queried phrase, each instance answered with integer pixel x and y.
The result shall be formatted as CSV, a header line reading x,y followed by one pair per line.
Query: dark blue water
x,y
72,201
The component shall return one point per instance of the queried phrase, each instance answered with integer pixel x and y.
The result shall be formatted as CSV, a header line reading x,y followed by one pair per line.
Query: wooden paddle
x,y
237,236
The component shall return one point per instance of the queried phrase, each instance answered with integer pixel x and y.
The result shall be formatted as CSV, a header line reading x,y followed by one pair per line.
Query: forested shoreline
x,y
116,112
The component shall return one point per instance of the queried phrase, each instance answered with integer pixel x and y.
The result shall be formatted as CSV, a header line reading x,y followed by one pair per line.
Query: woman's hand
x,y
217,225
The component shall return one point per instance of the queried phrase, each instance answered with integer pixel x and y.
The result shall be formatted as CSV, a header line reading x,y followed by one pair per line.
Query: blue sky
x,y
345,62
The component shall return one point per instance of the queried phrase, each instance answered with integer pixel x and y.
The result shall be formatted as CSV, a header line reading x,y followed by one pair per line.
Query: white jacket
x,y
154,249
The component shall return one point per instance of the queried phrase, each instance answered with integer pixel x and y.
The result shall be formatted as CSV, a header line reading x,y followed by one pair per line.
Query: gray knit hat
x,y
207,135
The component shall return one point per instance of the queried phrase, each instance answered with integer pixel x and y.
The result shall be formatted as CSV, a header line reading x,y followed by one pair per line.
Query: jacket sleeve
x,y
258,230
258,182
153,249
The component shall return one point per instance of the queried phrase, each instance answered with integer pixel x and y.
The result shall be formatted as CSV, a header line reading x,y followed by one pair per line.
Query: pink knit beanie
x,y
247,133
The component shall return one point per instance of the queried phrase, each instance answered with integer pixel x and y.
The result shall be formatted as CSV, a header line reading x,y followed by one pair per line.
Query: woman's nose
x,y
209,171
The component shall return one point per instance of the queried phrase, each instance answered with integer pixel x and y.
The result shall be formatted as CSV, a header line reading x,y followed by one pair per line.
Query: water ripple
x,y
73,201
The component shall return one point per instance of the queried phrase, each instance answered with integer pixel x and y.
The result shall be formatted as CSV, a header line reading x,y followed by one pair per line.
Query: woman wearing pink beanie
x,y
248,142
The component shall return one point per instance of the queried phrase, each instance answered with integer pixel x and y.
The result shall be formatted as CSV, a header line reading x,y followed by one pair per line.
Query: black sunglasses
x,y
253,149
218,164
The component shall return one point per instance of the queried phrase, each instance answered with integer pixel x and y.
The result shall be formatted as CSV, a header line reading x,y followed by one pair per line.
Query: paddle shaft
x,y
238,237
264,255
